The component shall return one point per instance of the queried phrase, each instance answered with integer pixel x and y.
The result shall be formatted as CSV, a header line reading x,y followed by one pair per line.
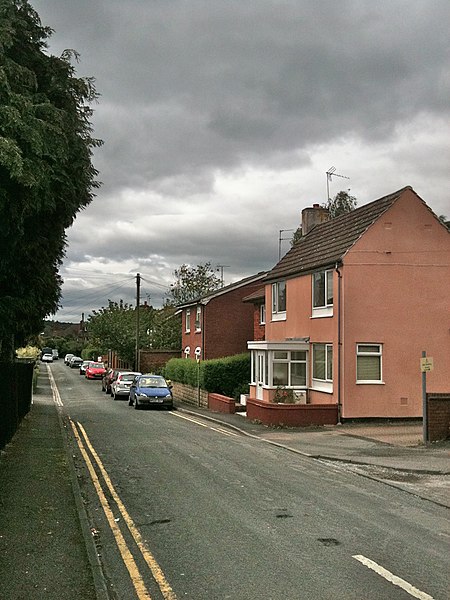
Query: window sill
x,y
370,383
281,316
322,386
320,313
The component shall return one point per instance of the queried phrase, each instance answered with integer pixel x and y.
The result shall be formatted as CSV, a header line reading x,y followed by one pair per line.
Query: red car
x,y
95,370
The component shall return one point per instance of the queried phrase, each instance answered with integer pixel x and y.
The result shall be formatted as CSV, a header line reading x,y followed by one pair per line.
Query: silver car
x,y
120,387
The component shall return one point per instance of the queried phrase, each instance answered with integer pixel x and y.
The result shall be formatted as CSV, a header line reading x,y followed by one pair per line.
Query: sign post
x,y
426,364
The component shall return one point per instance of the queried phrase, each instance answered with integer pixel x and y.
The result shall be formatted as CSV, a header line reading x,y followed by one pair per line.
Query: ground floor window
x,y
280,368
368,363
323,362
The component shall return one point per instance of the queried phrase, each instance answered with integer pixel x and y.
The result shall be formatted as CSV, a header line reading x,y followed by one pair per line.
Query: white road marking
x,y
218,429
398,581
56,397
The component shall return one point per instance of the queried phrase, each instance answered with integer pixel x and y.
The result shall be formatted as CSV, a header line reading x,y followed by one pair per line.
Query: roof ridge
x,y
329,241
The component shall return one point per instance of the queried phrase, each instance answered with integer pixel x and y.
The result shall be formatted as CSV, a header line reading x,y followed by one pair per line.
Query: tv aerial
x,y
332,173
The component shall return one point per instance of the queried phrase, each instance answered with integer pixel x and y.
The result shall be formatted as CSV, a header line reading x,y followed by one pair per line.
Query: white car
x,y
47,358
120,387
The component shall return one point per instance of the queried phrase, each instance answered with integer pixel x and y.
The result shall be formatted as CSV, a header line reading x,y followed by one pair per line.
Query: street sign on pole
x,y
426,365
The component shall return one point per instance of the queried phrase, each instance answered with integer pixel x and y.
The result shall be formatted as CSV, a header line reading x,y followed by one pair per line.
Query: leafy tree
x,y
165,330
46,174
114,327
339,205
296,236
192,282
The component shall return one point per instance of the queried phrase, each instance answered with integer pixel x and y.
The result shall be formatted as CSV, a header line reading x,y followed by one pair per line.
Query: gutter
x,y
339,274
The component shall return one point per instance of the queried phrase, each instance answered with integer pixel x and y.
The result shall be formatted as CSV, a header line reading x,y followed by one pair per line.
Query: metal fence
x,y
15,396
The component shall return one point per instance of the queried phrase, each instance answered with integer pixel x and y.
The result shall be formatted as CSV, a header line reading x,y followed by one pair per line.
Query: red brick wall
x,y
151,361
229,323
292,415
438,417
259,331
221,404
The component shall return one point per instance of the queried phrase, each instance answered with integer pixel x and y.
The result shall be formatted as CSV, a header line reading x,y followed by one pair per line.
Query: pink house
x,y
351,307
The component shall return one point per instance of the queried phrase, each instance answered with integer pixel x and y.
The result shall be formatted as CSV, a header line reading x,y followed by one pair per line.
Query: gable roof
x,y
328,242
259,294
224,290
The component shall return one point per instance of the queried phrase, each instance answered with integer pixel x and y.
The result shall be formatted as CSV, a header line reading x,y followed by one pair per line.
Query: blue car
x,y
150,390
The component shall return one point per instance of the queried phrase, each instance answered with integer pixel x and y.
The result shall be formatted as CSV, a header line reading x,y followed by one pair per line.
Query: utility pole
x,y
138,302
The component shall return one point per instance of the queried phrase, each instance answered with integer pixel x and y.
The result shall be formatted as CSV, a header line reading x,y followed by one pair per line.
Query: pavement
x,y
47,549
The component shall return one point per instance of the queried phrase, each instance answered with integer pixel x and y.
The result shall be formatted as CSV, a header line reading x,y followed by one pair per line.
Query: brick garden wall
x,y
438,417
189,395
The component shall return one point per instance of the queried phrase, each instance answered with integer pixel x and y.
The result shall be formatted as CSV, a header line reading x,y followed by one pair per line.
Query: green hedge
x,y
228,376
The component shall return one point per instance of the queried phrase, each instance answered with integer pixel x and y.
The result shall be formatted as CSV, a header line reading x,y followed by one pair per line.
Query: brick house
x,y
219,323
351,307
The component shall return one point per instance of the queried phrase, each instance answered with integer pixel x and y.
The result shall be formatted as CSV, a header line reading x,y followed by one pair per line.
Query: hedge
x,y
228,376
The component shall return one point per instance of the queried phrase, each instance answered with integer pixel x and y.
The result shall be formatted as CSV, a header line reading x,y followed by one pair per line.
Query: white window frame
x,y
262,314
289,361
198,318
325,309
377,353
278,313
188,320
323,385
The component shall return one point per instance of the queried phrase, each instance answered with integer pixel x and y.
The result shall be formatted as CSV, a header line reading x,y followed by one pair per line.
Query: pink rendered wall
x,y
300,324
396,292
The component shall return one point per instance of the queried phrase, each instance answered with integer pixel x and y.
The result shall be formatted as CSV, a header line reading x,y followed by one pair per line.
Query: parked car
x,y
95,370
120,385
67,358
75,362
84,366
108,378
55,354
47,357
150,390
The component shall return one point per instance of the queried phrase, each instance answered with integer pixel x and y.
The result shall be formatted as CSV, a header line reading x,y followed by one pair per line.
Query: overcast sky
x,y
220,119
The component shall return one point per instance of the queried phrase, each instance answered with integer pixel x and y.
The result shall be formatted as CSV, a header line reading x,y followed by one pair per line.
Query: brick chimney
x,y
313,216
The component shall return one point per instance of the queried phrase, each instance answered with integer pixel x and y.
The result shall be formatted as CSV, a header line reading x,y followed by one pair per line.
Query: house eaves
x,y
221,291
327,243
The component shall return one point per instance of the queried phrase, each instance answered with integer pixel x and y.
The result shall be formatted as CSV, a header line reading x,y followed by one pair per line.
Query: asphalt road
x,y
183,508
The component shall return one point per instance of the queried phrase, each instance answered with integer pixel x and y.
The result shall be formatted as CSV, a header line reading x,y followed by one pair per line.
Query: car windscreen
x,y
152,382
93,365
128,377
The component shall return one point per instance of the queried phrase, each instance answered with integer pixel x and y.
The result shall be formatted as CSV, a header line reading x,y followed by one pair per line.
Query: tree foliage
x,y
46,173
192,282
339,205
114,328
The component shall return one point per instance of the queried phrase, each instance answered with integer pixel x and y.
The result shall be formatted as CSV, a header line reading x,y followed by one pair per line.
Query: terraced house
x,y
351,307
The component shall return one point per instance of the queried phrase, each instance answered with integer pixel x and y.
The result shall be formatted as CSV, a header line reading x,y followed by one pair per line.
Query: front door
x,y
260,374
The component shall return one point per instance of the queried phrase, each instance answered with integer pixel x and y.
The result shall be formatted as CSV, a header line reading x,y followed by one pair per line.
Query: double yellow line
x,y
127,557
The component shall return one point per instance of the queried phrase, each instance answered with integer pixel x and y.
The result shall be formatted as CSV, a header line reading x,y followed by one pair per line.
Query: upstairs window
x,y
262,314
198,316
322,293
188,320
279,300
